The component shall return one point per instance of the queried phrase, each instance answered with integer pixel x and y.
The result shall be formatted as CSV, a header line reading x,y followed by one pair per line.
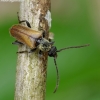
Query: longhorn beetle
x,y
36,40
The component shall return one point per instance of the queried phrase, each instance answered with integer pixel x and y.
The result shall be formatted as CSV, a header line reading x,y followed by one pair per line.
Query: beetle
x,y
33,39
36,40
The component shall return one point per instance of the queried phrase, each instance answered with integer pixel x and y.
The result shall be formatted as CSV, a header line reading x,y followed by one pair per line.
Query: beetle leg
x,y
27,23
18,16
40,52
22,52
44,34
32,50
17,43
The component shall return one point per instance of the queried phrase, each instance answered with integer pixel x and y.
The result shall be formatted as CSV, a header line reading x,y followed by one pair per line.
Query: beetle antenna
x,y
57,83
73,47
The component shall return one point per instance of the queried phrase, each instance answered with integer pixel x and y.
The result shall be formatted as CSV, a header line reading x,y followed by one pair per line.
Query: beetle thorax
x,y
44,45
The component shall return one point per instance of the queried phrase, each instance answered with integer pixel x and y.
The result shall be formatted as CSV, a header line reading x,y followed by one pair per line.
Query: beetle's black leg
x,y
18,16
32,50
40,52
44,34
22,52
27,23
17,43
57,83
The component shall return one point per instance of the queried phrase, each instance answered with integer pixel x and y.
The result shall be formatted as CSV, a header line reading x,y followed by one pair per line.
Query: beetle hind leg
x,y
32,50
27,23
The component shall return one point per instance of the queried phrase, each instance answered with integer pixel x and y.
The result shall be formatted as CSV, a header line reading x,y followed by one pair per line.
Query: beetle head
x,y
53,52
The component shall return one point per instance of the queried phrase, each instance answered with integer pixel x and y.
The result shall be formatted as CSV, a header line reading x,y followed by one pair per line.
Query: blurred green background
x,y
74,22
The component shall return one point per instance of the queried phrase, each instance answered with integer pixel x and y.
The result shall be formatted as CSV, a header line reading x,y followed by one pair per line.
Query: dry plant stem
x,y
31,69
